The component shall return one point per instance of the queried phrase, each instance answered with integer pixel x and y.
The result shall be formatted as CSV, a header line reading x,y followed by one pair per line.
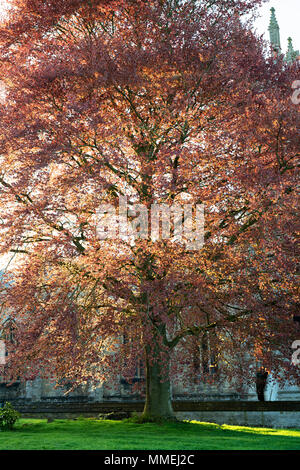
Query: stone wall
x,y
41,390
254,414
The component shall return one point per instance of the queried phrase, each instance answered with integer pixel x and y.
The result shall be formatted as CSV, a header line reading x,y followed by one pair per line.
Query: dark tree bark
x,y
158,391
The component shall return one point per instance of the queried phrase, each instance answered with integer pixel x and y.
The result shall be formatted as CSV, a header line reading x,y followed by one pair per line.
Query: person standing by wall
x,y
261,382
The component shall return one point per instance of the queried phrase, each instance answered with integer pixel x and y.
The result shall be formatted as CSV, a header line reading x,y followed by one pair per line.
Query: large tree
x,y
158,101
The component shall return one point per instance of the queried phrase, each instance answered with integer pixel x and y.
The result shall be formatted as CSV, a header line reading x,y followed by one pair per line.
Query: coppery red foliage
x,y
156,99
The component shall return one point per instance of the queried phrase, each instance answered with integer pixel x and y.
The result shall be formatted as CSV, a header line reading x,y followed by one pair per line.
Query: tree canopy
x,y
157,101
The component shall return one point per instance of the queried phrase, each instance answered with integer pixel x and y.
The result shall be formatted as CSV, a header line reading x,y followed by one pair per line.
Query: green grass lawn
x,y
93,434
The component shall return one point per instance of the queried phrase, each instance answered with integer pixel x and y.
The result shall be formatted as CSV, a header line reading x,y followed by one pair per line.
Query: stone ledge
x,y
84,408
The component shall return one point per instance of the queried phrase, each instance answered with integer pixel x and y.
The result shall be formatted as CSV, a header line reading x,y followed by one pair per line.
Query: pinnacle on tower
x,y
291,54
274,32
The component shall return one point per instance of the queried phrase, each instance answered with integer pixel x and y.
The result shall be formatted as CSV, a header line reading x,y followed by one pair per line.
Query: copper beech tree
x,y
164,102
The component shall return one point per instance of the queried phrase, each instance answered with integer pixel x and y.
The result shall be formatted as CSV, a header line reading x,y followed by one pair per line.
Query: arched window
x,y
8,331
204,358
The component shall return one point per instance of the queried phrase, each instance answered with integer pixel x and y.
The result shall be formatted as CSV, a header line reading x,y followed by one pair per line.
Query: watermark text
x,y
179,223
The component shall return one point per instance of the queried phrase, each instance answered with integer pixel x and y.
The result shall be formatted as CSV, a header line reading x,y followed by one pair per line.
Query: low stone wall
x,y
281,414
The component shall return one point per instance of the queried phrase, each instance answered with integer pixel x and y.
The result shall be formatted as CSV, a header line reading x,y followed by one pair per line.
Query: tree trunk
x,y
158,392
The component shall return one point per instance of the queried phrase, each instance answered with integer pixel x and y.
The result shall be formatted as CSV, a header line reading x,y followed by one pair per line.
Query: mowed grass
x,y
92,434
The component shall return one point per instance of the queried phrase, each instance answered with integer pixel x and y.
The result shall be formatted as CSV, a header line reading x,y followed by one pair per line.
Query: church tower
x,y
291,54
274,33
274,30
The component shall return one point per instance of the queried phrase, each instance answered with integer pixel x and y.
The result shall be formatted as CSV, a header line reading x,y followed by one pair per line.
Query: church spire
x,y
274,32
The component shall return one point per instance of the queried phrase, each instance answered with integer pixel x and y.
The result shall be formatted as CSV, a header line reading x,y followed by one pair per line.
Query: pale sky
x,y
288,17
3,5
